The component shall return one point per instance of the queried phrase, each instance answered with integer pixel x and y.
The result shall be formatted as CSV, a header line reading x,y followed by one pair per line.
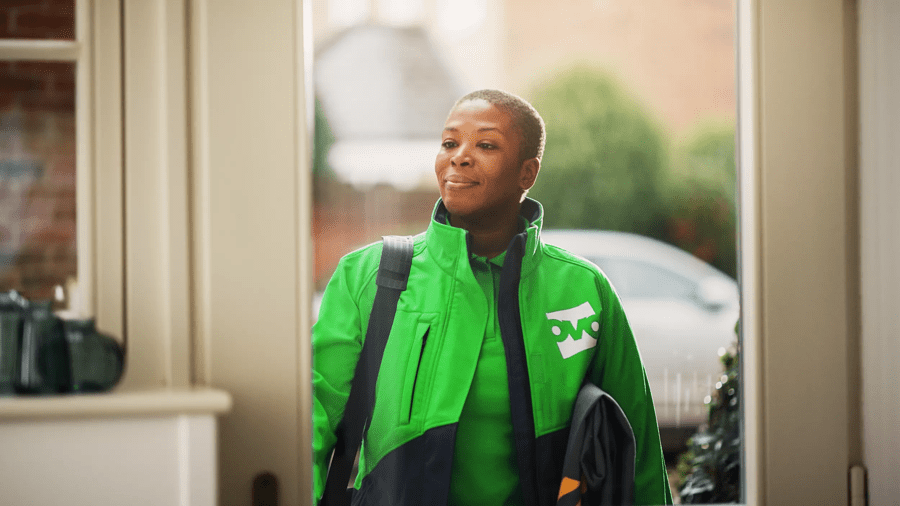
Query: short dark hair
x,y
525,118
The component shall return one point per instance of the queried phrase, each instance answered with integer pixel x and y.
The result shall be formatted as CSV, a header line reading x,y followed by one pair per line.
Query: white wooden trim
x,y
879,73
200,155
804,244
197,460
116,404
748,210
144,195
303,48
157,254
108,205
49,50
247,204
176,174
85,170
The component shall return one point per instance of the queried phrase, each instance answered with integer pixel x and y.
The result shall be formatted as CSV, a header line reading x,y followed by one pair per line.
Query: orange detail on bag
x,y
568,485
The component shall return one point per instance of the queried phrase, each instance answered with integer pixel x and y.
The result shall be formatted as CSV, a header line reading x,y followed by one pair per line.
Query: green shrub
x,y
701,209
605,156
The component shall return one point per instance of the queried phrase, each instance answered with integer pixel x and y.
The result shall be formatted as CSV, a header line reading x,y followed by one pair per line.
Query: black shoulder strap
x,y
393,274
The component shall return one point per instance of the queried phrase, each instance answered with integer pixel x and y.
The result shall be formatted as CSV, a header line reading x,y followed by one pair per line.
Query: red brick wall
x,y
37,154
345,219
37,19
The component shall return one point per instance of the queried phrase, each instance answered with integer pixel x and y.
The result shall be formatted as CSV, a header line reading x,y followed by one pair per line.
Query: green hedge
x,y
700,205
603,167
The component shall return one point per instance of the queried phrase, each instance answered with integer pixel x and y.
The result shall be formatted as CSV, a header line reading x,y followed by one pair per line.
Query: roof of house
x,y
383,82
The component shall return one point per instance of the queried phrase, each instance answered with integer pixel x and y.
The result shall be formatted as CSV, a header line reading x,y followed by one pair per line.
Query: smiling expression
x,y
479,168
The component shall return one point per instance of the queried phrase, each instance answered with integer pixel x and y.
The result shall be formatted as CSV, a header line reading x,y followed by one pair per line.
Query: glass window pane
x,y
37,177
37,19
639,102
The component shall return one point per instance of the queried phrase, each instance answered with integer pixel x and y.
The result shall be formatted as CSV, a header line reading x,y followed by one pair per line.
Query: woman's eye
x,y
448,144
485,145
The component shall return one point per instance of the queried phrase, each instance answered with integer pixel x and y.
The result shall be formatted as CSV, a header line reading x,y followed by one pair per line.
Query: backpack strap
x,y
393,274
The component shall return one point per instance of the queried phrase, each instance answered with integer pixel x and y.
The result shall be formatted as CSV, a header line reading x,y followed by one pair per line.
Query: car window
x,y
638,279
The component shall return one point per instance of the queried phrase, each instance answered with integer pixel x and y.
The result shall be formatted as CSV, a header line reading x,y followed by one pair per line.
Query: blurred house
x,y
384,92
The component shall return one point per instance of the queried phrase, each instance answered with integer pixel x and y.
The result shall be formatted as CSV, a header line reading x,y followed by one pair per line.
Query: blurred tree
x,y
324,139
701,197
605,155
323,175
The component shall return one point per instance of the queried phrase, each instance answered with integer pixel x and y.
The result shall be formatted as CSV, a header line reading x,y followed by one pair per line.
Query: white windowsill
x,y
116,404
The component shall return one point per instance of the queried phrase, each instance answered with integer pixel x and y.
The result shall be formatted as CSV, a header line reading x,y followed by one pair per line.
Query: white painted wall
x,y
879,59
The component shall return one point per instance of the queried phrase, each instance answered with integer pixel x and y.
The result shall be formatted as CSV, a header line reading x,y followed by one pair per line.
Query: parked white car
x,y
682,312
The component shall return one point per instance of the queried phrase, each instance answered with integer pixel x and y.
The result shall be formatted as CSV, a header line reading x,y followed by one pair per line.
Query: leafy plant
x,y
710,469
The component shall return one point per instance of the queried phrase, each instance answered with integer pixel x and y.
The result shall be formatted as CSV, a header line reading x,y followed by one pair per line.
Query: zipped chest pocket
x,y
413,396
405,376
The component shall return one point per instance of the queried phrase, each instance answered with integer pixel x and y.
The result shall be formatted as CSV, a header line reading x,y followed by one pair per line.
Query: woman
x,y
491,340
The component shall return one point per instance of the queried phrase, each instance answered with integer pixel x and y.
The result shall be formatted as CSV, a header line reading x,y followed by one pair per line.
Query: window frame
x,y
80,52
748,249
799,266
133,177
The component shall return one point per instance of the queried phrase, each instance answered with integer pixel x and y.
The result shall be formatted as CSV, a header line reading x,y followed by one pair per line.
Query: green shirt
x,y
484,437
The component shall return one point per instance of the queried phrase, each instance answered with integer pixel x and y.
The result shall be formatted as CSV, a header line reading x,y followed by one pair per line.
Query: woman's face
x,y
478,167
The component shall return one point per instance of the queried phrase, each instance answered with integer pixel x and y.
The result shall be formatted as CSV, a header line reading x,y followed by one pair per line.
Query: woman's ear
x,y
529,172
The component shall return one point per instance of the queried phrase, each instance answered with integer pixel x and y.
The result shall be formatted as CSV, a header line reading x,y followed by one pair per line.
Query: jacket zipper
x,y
412,394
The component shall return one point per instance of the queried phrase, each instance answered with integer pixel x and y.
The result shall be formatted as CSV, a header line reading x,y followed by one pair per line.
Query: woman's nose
x,y
461,157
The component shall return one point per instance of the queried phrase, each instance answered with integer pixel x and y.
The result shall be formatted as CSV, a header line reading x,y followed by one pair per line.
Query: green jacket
x,y
558,316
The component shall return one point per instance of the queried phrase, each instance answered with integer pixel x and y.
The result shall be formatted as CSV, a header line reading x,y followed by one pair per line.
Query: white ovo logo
x,y
570,346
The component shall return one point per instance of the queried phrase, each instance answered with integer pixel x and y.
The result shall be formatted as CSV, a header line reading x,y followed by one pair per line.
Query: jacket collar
x,y
448,244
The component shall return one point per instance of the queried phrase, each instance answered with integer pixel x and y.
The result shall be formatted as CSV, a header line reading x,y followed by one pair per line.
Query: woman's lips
x,y
458,182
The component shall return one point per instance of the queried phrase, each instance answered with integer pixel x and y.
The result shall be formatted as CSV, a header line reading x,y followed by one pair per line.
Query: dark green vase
x,y
95,359
44,360
12,306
